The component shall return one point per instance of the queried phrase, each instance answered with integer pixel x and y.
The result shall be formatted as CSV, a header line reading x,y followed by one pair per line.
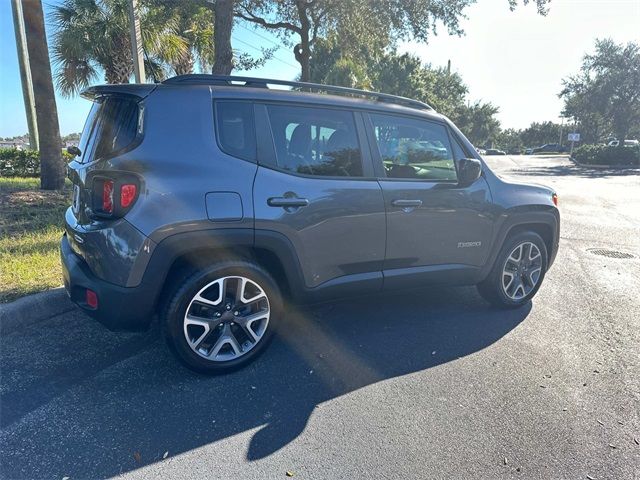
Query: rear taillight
x,y
91,298
107,196
127,194
113,197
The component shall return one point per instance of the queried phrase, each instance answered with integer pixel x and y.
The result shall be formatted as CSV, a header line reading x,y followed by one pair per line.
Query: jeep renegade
x,y
210,200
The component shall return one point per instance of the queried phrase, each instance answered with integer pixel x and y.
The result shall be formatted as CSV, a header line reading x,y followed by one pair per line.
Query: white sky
x,y
516,60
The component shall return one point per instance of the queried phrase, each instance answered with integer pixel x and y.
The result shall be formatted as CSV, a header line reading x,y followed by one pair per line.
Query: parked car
x,y
495,151
528,151
481,151
549,148
214,202
627,143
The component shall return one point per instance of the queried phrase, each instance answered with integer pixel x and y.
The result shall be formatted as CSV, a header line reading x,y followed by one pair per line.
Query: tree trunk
x,y
120,66
51,165
223,24
302,51
184,66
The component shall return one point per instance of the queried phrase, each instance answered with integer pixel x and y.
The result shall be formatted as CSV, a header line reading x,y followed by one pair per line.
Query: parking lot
x,y
422,384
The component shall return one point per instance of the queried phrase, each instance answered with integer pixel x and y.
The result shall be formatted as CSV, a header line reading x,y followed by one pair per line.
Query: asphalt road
x,y
430,384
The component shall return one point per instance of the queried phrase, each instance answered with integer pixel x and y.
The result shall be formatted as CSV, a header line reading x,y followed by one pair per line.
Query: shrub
x,y
605,155
23,163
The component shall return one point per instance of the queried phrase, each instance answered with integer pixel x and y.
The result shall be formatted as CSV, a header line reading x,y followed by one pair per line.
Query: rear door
x,y
315,186
436,229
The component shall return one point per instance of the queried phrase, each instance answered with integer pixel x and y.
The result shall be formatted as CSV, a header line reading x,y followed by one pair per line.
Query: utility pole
x,y
25,73
136,42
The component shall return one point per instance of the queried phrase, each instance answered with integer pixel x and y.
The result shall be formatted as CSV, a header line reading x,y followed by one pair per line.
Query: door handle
x,y
406,203
287,202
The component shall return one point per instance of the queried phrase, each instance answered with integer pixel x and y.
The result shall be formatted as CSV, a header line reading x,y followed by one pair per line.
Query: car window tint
x,y
235,127
315,141
88,128
458,151
412,148
116,126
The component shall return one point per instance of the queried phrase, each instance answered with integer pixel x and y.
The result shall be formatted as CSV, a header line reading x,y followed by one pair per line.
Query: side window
x,y
235,129
315,141
412,148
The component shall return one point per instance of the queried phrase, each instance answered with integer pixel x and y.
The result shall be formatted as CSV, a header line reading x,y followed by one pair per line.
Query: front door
x,y
315,186
436,230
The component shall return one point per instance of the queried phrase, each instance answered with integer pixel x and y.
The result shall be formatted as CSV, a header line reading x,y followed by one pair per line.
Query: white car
x,y
627,143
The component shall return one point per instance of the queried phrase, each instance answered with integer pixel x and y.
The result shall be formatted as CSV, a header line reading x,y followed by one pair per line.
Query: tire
x,y
493,288
210,326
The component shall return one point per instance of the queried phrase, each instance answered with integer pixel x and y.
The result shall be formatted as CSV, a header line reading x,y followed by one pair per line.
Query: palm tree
x,y
51,165
194,24
93,35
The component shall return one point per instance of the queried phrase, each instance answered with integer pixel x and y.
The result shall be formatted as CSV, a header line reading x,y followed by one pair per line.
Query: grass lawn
x,y
31,224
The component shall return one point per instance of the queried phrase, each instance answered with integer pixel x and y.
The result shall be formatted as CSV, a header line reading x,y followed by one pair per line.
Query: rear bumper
x,y
119,308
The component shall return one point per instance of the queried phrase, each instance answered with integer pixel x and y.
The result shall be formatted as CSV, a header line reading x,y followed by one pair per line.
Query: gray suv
x,y
213,201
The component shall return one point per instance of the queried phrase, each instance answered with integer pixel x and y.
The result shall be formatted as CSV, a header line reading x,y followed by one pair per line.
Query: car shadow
x,y
125,409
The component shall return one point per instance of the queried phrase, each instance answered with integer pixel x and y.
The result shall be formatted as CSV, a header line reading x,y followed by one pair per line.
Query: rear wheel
x,y
221,318
518,271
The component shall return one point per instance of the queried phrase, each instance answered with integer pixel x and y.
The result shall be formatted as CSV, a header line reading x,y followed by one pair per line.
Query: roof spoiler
x,y
139,90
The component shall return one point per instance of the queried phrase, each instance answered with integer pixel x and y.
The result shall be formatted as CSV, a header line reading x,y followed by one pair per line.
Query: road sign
x,y
573,137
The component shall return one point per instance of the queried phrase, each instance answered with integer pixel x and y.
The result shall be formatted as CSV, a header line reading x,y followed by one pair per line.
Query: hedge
x,y
605,155
23,163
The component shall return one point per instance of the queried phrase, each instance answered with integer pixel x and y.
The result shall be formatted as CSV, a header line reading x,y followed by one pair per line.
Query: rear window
x,y
112,127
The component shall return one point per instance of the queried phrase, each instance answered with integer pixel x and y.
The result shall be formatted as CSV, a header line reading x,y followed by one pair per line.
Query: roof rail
x,y
231,80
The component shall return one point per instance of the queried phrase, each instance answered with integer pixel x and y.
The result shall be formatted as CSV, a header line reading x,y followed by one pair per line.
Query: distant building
x,y
17,144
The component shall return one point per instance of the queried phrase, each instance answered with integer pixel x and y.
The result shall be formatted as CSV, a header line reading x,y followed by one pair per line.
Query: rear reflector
x,y
127,194
91,298
107,196
554,197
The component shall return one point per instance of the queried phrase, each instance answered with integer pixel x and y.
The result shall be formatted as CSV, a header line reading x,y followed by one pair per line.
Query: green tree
x,y
193,22
407,76
93,35
478,122
300,23
206,26
509,140
539,133
605,94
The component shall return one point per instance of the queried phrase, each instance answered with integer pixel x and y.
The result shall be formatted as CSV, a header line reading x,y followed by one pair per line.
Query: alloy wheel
x,y
521,271
227,318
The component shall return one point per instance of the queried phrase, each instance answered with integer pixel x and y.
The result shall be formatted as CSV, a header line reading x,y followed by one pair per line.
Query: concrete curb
x,y
32,309
604,167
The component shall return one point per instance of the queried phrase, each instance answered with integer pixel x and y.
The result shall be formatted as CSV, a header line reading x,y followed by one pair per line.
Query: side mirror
x,y
73,150
469,170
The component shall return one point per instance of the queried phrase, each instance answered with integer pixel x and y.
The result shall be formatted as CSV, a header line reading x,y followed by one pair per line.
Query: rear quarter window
x,y
235,129
111,128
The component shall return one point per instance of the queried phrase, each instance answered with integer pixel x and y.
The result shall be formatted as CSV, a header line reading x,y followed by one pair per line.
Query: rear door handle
x,y
406,203
287,202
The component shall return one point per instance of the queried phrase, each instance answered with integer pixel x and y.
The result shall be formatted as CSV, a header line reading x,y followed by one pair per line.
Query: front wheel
x,y
517,273
220,318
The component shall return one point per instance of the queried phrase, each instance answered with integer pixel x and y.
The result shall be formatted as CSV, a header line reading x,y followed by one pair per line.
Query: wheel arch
x,y
178,255
545,223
